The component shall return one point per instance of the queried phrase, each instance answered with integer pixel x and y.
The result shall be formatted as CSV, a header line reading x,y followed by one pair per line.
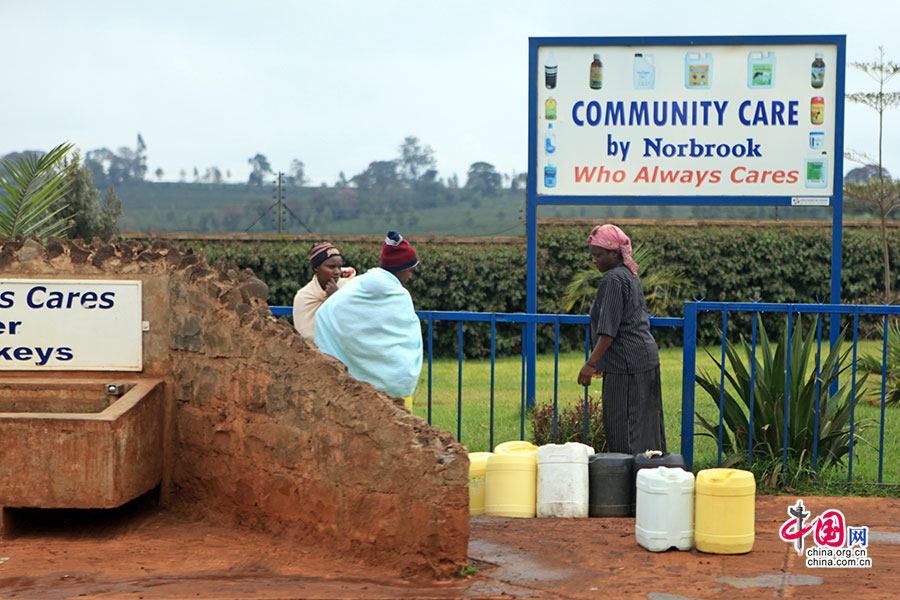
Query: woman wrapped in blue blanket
x,y
370,324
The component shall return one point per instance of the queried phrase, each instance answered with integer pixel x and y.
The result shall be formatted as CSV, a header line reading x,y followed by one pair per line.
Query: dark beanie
x,y
322,252
396,254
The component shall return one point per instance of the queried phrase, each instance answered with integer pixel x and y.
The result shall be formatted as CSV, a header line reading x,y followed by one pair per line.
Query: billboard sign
x,y
652,118
704,120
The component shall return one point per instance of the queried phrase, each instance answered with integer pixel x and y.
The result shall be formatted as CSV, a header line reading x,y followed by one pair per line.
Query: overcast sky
x,y
340,83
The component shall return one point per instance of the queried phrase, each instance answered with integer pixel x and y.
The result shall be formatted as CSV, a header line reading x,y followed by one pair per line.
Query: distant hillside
x,y
233,208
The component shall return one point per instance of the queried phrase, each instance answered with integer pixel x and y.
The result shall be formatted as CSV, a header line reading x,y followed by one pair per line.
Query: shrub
x,y
779,263
570,424
830,435
873,365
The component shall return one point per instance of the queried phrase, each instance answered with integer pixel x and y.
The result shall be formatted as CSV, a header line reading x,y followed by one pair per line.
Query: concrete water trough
x,y
79,442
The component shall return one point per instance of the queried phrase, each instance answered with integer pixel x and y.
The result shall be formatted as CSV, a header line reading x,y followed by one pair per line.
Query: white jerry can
x,y
563,487
664,509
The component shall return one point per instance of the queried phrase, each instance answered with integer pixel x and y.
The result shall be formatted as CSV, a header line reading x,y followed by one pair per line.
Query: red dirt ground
x,y
143,552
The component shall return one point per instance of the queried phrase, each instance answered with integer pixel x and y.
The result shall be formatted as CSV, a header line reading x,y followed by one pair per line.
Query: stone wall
x,y
268,432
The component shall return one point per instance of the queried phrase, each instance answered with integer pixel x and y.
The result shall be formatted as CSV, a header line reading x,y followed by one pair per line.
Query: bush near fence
x,y
779,262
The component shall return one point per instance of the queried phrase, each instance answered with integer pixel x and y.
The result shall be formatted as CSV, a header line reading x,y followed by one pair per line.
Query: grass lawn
x,y
472,427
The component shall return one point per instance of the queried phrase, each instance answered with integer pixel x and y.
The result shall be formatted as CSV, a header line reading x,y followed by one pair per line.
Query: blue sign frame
x,y
533,199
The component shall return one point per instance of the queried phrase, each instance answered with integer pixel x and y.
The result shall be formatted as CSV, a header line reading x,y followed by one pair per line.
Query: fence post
x,y
430,360
531,285
688,367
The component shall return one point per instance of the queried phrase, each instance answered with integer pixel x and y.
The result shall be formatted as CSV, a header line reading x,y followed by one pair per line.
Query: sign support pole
x,y
531,232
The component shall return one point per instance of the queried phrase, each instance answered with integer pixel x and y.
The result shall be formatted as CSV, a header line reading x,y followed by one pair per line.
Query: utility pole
x,y
279,206
279,187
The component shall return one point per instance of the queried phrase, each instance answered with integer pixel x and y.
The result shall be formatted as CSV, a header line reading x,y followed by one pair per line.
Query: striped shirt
x,y
620,312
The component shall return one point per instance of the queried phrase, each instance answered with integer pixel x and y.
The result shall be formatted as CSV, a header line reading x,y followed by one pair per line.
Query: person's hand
x,y
587,373
331,287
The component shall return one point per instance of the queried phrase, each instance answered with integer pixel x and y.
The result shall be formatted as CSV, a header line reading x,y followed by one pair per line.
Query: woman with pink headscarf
x,y
624,352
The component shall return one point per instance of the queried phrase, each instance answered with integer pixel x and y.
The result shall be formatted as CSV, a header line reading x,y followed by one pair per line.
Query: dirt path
x,y
146,553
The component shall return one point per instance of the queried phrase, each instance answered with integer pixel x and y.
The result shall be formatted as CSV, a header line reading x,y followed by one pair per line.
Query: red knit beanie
x,y
396,254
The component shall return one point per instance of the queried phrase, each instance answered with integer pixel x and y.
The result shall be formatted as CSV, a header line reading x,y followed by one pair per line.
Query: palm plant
x,y
660,283
827,431
873,365
30,192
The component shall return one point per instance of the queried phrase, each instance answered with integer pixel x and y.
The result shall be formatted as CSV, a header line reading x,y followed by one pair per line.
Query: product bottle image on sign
x,y
644,72
760,70
549,140
549,175
817,171
817,72
550,69
550,109
596,73
697,70
816,140
817,110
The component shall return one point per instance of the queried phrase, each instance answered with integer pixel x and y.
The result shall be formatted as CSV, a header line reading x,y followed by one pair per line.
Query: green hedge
x,y
779,263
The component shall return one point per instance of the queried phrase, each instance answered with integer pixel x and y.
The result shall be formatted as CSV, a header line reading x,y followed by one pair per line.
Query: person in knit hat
x,y
371,326
624,352
329,275
398,257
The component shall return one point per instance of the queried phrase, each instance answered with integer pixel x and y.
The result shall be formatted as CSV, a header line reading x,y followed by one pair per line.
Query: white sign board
x,y
62,325
715,120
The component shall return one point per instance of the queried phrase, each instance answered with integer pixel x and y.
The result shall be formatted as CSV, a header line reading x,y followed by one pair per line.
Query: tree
x,y
107,223
159,173
880,192
296,174
111,168
87,217
380,175
863,174
212,175
483,178
98,161
519,181
429,190
135,161
30,195
415,159
260,168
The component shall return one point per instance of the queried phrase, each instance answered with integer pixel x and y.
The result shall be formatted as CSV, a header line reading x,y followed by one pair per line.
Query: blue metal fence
x,y
689,327
834,312
523,319
430,317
